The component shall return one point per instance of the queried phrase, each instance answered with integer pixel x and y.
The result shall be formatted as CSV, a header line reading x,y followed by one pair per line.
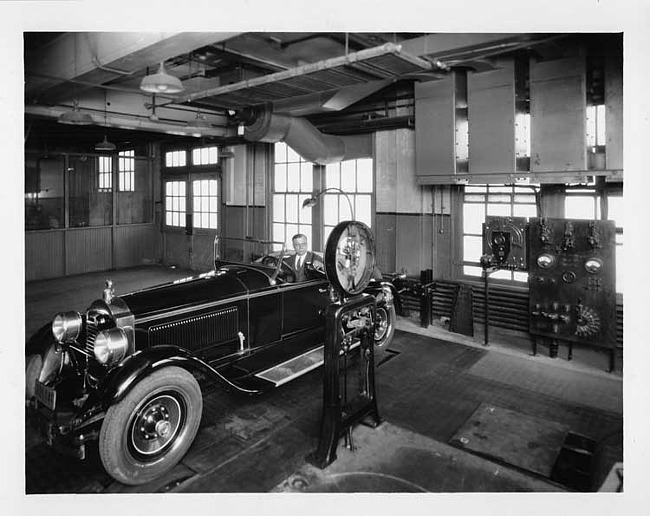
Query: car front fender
x,y
121,380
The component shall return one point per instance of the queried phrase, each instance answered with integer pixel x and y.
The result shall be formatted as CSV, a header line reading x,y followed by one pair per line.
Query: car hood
x,y
226,282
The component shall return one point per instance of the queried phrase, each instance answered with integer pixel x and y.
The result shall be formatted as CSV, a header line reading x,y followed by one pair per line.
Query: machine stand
x,y
346,323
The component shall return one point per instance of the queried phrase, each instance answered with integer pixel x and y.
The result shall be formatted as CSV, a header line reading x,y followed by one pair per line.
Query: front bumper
x,y
56,430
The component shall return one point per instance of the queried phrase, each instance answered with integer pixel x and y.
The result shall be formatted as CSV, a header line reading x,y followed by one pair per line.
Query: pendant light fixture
x,y
105,145
161,82
75,117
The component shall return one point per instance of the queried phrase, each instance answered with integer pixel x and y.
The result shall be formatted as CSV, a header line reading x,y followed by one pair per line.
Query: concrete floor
x,y
434,389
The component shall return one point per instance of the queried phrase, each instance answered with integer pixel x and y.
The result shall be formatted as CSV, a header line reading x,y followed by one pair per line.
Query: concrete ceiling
x,y
299,74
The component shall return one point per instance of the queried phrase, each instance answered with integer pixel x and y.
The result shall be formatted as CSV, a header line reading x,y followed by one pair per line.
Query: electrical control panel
x,y
572,280
504,242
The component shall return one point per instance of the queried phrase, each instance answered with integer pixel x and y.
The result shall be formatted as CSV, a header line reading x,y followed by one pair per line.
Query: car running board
x,y
297,366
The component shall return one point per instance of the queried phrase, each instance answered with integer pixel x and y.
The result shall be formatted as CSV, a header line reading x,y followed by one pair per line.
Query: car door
x,y
303,307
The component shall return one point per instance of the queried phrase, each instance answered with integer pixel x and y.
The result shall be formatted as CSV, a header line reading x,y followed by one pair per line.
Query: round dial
x,y
350,256
545,261
593,265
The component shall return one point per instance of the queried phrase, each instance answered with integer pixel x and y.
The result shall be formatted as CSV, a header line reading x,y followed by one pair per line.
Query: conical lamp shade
x,y
105,146
161,82
75,117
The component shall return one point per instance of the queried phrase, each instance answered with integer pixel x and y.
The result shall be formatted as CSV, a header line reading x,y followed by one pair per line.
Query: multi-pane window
x,y
355,178
205,203
175,158
205,156
582,203
585,203
175,208
126,171
293,184
105,173
479,201
615,212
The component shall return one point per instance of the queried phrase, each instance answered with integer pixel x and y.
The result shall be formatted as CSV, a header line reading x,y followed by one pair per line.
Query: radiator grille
x,y
199,331
91,332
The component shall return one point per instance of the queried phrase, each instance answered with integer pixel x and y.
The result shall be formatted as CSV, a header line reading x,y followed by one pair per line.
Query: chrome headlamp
x,y
66,326
111,346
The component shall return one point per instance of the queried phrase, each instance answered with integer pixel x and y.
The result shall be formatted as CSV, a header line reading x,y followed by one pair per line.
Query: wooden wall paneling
x,y
202,252
412,243
491,99
409,195
385,172
234,176
441,247
558,108
234,221
88,250
435,129
385,241
44,255
135,245
176,249
257,173
614,112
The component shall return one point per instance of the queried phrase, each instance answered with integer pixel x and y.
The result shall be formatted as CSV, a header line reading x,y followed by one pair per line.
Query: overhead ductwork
x,y
262,125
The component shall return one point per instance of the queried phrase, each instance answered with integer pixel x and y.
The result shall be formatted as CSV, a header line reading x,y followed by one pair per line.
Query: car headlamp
x,y
111,346
66,326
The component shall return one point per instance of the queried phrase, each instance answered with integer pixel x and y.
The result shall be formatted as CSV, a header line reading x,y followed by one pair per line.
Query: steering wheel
x,y
286,272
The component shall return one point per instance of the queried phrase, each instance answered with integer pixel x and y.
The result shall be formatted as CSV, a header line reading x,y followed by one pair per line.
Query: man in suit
x,y
303,258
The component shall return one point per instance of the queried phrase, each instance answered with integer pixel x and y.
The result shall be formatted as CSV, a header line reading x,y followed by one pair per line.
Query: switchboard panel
x,y
505,242
572,280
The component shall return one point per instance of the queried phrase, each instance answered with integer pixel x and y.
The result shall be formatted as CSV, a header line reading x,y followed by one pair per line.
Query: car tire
x,y
33,367
146,433
385,328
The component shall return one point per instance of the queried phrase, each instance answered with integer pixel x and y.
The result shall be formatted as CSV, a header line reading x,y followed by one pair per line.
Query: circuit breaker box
x,y
572,280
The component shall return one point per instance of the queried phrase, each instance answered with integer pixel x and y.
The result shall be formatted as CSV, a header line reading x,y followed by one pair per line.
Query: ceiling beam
x,y
125,121
98,57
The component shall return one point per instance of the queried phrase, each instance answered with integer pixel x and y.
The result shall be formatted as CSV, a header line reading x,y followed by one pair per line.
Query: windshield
x,y
245,250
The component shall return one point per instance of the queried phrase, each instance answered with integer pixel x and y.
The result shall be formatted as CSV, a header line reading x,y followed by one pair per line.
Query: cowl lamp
x,y
75,117
312,201
161,82
105,146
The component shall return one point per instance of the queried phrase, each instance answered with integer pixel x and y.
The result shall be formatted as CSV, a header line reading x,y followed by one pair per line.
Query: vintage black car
x,y
127,372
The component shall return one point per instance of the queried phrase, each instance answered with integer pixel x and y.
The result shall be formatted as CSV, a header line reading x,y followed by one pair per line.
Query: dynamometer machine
x,y
349,371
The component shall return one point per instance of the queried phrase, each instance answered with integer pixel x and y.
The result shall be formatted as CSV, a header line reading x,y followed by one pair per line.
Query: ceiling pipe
x,y
124,121
262,125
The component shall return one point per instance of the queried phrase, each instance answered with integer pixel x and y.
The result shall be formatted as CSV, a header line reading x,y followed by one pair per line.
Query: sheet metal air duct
x,y
262,125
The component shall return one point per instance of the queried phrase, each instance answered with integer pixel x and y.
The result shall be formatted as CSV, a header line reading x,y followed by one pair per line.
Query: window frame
x,y
107,175
191,199
307,172
500,192
124,157
171,179
353,196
